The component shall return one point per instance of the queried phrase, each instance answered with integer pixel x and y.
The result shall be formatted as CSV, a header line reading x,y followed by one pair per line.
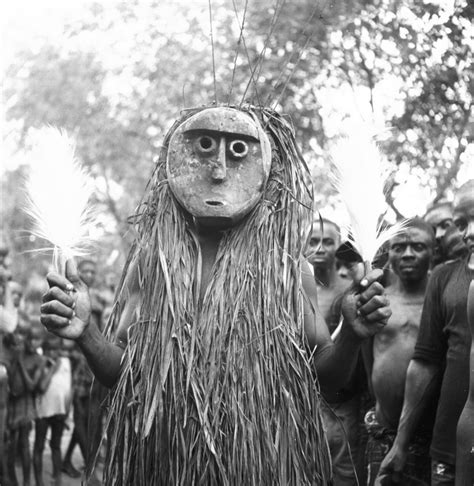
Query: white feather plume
x,y
58,191
360,173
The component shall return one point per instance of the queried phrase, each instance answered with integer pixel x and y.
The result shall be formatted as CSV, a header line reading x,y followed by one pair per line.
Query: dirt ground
x,y
77,461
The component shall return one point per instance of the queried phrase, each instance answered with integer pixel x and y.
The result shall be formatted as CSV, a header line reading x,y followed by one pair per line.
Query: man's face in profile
x,y
440,218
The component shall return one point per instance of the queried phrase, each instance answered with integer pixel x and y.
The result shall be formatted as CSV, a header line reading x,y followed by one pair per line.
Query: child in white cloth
x,y
53,406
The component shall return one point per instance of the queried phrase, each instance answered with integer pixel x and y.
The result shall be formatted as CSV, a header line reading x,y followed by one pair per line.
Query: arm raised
x,y
364,313
66,312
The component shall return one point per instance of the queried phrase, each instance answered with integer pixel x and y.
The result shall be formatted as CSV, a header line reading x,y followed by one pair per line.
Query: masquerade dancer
x,y
217,334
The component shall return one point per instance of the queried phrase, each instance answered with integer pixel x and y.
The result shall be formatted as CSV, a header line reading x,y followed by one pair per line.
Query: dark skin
x,y
235,183
441,219
87,271
30,367
464,436
464,220
422,383
66,312
51,367
453,244
409,256
320,253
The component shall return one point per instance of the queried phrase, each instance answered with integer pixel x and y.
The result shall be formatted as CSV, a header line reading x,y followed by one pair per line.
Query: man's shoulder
x,y
445,270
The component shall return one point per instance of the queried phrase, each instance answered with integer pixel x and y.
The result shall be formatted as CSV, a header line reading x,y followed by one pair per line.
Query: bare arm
x,y
66,311
367,351
420,386
104,358
421,383
364,315
30,381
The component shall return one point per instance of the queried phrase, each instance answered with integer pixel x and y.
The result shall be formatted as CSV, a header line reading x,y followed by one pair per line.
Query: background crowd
x,y
46,384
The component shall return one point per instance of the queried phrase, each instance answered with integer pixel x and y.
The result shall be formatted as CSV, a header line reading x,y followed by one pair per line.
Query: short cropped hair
x,y
328,221
438,205
422,225
317,223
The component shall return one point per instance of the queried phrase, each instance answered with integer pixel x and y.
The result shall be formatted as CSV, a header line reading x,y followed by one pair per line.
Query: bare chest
x,y
405,318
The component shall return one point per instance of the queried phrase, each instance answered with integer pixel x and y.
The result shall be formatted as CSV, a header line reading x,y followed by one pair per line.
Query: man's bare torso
x,y
393,349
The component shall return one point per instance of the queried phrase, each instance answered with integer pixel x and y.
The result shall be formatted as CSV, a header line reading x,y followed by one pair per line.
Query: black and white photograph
x,y
237,243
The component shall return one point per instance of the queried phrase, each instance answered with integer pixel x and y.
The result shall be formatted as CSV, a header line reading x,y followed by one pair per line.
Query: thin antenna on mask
x,y
290,57
274,22
241,40
259,62
302,52
213,58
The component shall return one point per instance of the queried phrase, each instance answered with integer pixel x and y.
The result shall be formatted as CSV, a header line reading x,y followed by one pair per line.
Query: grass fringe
x,y
224,393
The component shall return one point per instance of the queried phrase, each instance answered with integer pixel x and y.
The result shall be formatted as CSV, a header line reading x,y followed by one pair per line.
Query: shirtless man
x,y
409,255
440,217
441,354
222,154
321,254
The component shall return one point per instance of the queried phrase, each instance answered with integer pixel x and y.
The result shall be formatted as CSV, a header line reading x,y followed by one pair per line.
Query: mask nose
x,y
219,170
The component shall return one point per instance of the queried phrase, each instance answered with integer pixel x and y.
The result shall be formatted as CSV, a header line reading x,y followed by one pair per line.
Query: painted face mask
x,y
218,164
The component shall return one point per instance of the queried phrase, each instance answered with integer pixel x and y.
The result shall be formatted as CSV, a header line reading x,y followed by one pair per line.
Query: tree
x,y
317,63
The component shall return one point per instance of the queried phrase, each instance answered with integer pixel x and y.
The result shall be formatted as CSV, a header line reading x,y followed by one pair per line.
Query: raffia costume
x,y
223,391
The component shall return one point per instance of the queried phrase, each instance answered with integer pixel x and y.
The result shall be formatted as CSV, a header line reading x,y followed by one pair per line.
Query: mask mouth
x,y
214,203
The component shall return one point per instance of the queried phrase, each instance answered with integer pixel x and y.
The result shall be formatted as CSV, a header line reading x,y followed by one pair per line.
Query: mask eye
x,y
205,145
238,149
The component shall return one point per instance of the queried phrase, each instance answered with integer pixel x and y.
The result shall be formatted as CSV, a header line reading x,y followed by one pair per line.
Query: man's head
x,y
323,243
52,345
440,217
218,164
4,250
16,292
34,339
453,244
87,271
347,260
463,214
411,251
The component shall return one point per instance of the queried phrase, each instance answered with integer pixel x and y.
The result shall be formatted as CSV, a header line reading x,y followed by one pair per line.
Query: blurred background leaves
x,y
119,73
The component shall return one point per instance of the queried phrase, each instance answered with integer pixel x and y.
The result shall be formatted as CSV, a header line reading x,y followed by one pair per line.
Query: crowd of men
x,y
395,419
414,381
45,385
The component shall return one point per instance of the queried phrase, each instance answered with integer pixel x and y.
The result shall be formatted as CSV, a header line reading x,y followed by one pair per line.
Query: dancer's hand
x,y
66,305
365,306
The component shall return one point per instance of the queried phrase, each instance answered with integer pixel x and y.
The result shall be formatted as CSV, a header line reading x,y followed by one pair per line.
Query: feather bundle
x,y
58,191
359,176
